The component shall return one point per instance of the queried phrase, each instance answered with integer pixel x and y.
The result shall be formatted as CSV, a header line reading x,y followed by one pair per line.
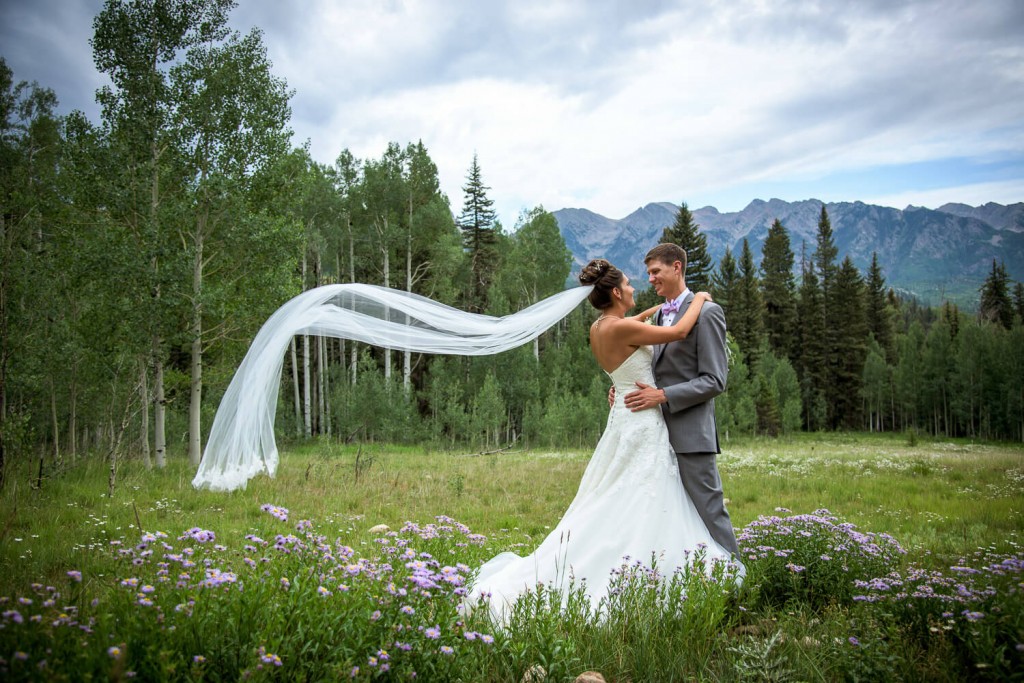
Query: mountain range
x,y
932,254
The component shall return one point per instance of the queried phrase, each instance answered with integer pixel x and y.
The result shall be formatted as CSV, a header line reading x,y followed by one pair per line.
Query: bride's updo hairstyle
x,y
605,277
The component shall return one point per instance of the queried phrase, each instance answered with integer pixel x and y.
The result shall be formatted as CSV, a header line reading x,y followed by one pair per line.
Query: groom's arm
x,y
712,364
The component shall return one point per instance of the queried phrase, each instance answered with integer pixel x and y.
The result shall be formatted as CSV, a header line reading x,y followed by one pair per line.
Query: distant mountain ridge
x,y
934,254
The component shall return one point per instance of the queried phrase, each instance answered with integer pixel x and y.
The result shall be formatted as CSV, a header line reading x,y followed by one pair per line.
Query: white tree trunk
x,y
407,356
195,437
325,385
144,404
73,414
295,390
387,283
56,424
306,397
352,278
159,407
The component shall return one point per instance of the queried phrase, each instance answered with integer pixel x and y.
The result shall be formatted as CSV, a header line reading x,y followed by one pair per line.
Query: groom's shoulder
x,y
712,308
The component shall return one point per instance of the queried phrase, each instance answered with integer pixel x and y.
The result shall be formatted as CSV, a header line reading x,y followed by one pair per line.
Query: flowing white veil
x,y
241,443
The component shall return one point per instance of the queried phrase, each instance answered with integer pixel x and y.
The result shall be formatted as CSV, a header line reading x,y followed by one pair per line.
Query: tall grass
x,y
798,616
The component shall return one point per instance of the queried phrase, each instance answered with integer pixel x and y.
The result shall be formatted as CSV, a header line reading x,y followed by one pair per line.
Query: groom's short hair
x,y
668,253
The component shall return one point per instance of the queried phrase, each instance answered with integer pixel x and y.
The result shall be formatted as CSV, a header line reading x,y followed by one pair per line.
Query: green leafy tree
x,y
135,45
781,380
735,409
779,292
996,306
938,358
231,119
876,387
488,413
537,265
686,233
479,237
908,376
29,153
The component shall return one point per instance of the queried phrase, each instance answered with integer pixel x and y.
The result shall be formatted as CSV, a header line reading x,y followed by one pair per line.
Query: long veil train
x,y
241,443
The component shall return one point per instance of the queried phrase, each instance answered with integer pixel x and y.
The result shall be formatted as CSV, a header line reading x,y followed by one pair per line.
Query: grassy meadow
x,y
947,504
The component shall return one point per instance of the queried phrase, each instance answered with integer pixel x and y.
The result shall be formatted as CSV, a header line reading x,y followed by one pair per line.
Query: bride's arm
x,y
644,316
689,319
636,333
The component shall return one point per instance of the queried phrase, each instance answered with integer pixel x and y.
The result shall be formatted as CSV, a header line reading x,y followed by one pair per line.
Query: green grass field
x,y
941,500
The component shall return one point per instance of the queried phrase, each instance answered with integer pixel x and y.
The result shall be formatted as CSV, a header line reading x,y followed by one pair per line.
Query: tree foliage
x,y
686,233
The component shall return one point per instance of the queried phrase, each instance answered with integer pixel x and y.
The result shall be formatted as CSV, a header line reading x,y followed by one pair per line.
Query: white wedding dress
x,y
630,504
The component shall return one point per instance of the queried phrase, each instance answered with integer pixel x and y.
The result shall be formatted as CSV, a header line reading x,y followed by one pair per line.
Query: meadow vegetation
x,y
870,557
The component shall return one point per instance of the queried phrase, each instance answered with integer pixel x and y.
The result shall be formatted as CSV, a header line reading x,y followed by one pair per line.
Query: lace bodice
x,y
636,368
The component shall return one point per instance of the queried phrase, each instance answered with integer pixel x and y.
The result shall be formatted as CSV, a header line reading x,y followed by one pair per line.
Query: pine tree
x,y
779,290
479,235
951,317
852,339
746,319
723,282
826,253
878,311
811,359
686,233
1018,301
995,305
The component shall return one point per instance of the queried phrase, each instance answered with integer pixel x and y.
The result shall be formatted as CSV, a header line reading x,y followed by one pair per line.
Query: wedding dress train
x,y
630,503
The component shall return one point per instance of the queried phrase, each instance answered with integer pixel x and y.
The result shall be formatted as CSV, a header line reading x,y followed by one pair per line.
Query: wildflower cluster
x,y
812,558
180,606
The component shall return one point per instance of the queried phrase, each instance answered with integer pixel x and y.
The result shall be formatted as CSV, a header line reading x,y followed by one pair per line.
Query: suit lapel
x,y
660,348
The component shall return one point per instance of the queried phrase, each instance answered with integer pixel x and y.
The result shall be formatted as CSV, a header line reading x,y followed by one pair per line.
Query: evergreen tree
x,y
852,338
779,290
686,233
825,254
723,281
951,317
878,310
811,359
996,306
745,319
1018,301
479,236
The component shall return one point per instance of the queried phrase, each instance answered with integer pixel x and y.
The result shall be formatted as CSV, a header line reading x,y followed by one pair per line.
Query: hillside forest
x,y
142,252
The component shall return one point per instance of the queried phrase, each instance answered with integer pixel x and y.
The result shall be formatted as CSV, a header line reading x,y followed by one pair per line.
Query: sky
x,y
610,105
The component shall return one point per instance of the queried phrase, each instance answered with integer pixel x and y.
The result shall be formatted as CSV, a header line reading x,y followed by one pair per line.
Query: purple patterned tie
x,y
670,307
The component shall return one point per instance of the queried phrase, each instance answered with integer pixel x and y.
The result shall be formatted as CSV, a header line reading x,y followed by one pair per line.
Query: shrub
x,y
813,558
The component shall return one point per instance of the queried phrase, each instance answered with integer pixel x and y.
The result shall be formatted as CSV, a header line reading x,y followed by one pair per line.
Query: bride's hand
x,y
706,295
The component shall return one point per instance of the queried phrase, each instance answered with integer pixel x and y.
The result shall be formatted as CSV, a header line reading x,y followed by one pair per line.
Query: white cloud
x,y
610,105
976,194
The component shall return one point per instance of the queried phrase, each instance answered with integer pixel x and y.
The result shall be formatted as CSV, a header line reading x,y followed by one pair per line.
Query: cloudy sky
x,y
611,105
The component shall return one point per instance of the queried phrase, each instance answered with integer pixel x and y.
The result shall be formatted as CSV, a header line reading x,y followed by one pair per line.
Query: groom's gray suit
x,y
692,372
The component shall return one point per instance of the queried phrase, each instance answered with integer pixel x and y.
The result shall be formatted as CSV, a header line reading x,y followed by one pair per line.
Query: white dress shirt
x,y
669,318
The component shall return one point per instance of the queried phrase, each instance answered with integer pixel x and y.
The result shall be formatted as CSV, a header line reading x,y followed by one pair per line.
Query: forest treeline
x,y
142,252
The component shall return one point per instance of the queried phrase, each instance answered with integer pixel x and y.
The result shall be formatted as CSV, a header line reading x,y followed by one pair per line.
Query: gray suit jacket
x,y
692,372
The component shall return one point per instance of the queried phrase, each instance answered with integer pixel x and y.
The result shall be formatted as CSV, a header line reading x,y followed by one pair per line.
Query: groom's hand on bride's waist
x,y
644,397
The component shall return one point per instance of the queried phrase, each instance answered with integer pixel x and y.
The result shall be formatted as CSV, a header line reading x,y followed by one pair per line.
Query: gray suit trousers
x,y
702,482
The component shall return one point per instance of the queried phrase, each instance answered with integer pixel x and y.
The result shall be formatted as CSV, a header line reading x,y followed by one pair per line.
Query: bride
x,y
631,502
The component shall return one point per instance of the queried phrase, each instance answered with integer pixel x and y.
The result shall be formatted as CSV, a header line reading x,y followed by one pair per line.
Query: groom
x,y
689,374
